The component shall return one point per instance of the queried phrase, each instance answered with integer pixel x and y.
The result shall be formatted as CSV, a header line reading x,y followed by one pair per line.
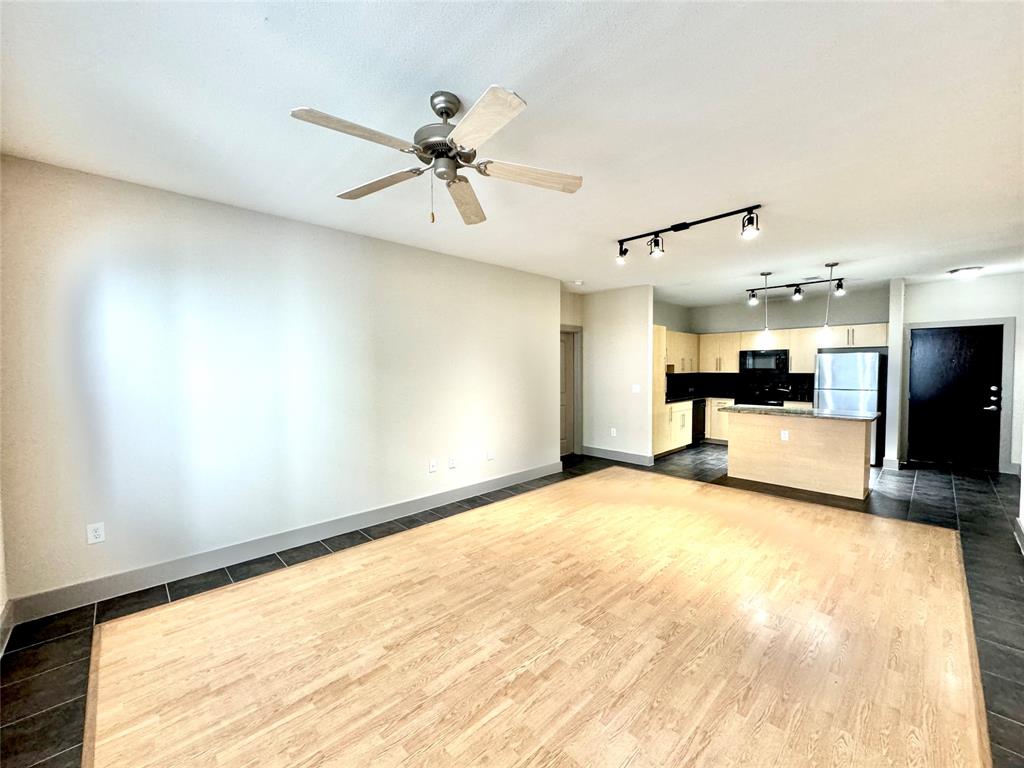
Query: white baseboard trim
x,y
6,623
61,599
629,458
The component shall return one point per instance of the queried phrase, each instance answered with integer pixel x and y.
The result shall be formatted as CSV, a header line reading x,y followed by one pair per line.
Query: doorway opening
x,y
956,396
569,411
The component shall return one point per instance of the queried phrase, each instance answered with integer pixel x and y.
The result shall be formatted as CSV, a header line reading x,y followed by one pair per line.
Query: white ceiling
x,y
887,137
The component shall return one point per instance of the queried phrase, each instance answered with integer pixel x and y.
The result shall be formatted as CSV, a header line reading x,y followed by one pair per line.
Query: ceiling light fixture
x,y
657,244
798,288
748,230
578,283
965,273
752,299
621,258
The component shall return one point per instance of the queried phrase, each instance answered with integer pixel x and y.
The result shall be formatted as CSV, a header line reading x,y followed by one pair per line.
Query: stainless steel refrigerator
x,y
854,380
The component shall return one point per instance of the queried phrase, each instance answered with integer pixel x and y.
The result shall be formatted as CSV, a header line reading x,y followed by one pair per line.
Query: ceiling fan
x,y
447,147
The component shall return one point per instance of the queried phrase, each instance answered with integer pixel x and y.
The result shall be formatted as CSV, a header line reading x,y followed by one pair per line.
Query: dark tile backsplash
x,y
683,385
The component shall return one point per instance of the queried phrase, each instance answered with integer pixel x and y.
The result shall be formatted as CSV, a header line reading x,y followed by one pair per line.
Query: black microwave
x,y
764,361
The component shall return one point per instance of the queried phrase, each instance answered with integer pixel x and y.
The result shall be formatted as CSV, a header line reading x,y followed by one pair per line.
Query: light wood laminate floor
x,y
623,618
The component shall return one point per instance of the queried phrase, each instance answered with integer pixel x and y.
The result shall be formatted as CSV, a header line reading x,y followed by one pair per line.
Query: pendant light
x,y
765,276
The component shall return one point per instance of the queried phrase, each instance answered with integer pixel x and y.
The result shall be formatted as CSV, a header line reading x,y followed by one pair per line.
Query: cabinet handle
x,y
853,337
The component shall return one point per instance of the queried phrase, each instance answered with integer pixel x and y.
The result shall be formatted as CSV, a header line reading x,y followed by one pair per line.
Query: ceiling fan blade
x,y
465,200
352,129
525,174
378,184
492,112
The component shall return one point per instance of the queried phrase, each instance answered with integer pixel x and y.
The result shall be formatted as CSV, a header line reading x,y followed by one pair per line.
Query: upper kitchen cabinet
x,y
844,336
683,355
803,348
764,340
720,352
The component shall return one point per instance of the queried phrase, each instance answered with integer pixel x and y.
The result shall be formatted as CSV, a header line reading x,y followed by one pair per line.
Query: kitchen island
x,y
814,449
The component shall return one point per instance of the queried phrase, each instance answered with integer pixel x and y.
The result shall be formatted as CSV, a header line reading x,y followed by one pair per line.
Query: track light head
x,y
621,258
657,244
749,228
798,294
840,290
752,299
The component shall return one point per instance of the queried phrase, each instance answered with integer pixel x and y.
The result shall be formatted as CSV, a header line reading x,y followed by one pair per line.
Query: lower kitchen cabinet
x,y
717,423
673,427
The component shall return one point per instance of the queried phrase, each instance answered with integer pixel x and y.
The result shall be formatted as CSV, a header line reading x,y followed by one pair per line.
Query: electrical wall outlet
x,y
432,465
784,435
451,462
614,433
95,533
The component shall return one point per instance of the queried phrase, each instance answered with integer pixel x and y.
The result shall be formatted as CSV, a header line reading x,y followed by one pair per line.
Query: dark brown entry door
x,y
956,377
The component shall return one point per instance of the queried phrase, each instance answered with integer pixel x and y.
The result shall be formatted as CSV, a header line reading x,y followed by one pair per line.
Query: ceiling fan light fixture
x,y
657,244
749,228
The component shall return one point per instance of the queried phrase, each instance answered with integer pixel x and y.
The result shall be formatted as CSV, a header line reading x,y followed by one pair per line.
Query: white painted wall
x,y
197,375
616,360
857,306
985,298
572,308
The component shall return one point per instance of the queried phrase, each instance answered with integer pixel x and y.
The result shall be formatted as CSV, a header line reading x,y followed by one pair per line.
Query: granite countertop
x,y
805,413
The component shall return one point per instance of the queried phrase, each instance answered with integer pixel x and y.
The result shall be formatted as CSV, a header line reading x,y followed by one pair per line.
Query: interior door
x,y
568,377
956,395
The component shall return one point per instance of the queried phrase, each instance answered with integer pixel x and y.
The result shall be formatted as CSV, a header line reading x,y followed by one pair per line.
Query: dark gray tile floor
x,y
44,669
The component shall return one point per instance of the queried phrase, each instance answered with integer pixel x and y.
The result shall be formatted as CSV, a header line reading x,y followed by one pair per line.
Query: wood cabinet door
x,y
691,352
723,420
685,421
729,352
709,352
869,335
674,354
760,340
803,349
661,435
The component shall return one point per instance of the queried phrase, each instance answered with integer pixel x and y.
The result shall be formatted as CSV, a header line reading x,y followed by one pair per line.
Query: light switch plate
x,y
432,465
614,433
784,435
451,462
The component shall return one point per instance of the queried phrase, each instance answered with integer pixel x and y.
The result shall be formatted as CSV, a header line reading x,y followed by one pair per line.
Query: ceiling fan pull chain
x,y
432,217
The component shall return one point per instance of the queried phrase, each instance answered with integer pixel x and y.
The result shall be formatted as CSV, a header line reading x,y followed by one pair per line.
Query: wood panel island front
x,y
814,449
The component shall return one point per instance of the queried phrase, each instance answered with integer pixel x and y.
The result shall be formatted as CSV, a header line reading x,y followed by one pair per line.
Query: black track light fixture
x,y
748,227
657,245
748,230
840,290
752,299
798,293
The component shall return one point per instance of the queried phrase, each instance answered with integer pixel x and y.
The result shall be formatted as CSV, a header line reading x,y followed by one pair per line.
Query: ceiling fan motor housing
x,y
433,140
